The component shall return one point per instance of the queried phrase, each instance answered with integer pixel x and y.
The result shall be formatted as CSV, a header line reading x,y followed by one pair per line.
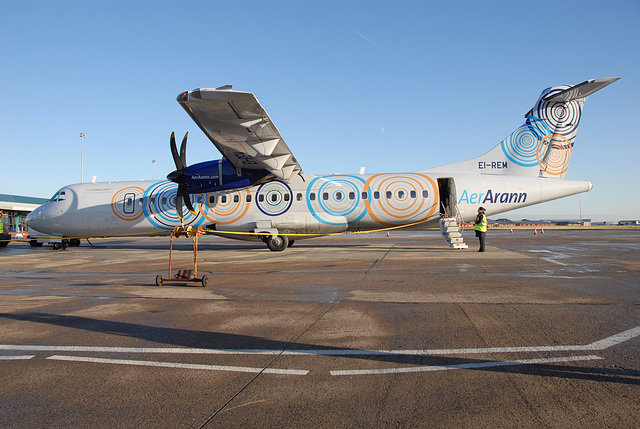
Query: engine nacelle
x,y
218,175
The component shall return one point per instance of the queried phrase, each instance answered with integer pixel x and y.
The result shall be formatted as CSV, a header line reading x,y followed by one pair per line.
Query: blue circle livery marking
x,y
521,146
160,207
336,199
274,198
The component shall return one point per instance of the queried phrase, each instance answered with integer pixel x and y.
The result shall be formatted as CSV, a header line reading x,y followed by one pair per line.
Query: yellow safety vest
x,y
481,223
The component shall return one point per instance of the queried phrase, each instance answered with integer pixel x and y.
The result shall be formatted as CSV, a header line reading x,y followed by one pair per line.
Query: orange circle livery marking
x,y
401,208
554,154
395,191
225,210
127,203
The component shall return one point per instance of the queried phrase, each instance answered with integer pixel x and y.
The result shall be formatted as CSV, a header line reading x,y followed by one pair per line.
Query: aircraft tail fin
x,y
542,146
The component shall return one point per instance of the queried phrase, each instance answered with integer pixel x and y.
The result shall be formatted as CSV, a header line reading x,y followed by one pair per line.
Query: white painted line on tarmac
x,y
180,365
615,339
596,345
492,364
23,357
551,259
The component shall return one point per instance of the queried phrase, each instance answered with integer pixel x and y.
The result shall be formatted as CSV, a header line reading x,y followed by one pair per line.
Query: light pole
x,y
580,205
153,169
82,136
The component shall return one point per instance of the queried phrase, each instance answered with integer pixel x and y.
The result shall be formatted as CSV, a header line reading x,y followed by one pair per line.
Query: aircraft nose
x,y
37,218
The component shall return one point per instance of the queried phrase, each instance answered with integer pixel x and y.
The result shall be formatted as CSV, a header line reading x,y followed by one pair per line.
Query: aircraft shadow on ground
x,y
217,340
187,246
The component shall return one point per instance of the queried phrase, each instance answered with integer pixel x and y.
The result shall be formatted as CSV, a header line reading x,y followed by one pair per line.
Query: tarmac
x,y
341,331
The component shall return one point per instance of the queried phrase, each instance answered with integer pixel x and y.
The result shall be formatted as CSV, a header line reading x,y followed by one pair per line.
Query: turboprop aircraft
x,y
258,190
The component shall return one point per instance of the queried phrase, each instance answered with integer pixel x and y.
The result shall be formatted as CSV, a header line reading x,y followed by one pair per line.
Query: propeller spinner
x,y
178,176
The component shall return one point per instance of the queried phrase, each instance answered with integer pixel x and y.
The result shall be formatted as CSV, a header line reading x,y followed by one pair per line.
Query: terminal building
x,y
15,209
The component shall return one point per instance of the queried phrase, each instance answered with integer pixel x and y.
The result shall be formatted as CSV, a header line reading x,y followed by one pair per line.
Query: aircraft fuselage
x,y
309,205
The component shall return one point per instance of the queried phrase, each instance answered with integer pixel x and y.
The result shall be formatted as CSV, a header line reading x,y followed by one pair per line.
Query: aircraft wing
x,y
240,128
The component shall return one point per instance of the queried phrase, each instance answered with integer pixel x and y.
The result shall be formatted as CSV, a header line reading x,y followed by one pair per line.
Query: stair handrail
x,y
459,218
446,214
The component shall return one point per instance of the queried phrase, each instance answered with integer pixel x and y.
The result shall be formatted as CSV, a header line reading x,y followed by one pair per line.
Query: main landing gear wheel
x,y
35,243
277,243
58,246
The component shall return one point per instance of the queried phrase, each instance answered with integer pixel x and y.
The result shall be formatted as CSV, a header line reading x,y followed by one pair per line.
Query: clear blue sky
x,y
394,86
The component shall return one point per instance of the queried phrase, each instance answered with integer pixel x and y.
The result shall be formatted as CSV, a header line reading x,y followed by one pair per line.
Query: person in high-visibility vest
x,y
1,224
481,227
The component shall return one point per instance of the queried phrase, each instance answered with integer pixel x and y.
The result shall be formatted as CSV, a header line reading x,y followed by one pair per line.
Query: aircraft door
x,y
448,199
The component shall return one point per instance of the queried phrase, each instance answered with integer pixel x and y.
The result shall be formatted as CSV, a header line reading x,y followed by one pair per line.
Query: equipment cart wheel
x,y
158,280
205,280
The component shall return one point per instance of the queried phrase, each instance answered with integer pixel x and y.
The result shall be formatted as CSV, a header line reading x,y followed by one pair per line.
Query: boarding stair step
x,y
451,233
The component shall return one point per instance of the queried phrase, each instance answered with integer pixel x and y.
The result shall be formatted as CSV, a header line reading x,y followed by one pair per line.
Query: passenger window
x,y
236,198
312,196
261,198
248,198
299,196
413,194
352,195
287,197
223,199
164,200
389,195
401,195
365,195
425,193
152,200
325,196
212,199
376,195
274,197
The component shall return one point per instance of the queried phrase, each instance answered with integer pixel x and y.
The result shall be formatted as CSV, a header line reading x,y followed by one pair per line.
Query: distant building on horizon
x,y
15,209
629,222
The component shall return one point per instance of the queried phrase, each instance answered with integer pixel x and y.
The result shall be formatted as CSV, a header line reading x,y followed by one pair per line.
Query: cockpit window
x,y
59,196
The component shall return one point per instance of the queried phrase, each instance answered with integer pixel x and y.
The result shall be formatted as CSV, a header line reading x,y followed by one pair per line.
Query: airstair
x,y
450,217
452,233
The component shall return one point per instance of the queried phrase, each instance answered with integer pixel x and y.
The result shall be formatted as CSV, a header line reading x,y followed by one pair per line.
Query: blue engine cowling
x,y
218,175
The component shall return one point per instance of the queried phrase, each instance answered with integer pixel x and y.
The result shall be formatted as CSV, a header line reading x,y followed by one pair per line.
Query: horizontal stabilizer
x,y
581,90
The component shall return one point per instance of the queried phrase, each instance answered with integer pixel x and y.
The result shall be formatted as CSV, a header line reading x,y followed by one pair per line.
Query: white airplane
x,y
258,191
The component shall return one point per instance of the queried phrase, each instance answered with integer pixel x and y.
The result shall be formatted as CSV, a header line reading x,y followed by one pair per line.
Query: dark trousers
x,y
481,236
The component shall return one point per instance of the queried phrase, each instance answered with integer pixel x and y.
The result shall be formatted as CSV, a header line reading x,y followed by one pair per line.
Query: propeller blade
x,y
187,202
174,152
183,151
179,205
